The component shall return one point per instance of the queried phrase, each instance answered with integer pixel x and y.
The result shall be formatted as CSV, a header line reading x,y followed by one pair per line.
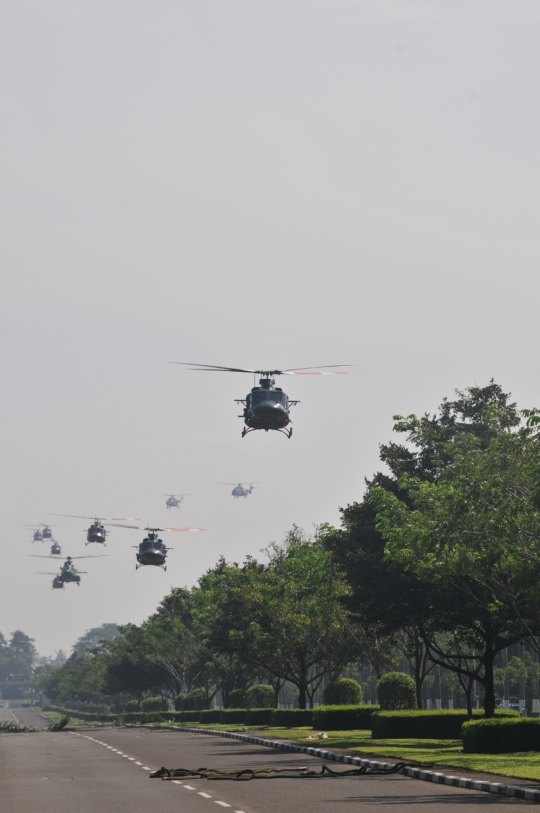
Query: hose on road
x,y
246,774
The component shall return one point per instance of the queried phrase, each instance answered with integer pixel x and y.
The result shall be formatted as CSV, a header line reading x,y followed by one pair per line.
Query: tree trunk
x,y
489,687
302,696
468,696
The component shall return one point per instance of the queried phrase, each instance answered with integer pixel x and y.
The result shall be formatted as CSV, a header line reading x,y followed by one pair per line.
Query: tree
x,y
387,596
469,530
296,628
95,636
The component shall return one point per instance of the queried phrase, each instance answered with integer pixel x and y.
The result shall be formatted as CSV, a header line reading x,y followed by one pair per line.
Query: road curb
x,y
516,791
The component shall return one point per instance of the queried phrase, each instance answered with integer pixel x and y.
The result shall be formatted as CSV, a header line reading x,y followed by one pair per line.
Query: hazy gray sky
x,y
248,184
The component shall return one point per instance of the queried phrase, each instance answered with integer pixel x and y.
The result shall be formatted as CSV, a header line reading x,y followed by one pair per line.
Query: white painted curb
x,y
517,791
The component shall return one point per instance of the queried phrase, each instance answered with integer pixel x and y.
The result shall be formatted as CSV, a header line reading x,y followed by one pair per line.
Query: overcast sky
x,y
251,184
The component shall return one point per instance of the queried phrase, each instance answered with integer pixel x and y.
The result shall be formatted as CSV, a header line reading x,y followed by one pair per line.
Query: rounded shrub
x,y
131,705
178,700
260,697
154,704
395,691
237,699
342,692
195,700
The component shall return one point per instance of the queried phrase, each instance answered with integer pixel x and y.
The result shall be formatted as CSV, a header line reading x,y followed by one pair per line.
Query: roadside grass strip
x,y
500,788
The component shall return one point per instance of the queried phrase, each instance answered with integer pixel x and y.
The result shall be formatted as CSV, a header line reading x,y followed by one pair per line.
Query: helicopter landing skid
x,y
286,432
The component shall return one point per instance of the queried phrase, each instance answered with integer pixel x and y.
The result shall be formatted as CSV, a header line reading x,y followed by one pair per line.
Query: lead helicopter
x,y
240,490
152,550
266,406
68,572
174,500
96,533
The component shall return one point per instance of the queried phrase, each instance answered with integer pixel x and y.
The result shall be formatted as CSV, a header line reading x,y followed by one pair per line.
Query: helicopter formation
x,y
265,408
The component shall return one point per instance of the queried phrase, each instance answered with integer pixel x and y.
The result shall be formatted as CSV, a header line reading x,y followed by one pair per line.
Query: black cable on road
x,y
247,774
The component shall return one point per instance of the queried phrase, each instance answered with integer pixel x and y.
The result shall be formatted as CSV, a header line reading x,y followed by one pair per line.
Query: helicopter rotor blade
x,y
213,367
288,371
36,556
100,519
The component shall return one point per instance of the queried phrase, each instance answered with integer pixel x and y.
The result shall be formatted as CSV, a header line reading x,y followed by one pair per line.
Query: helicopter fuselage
x,y
151,551
172,502
266,407
96,533
46,533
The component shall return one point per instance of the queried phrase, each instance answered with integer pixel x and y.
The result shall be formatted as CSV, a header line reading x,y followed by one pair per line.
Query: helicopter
x,y
96,533
174,500
40,533
68,572
152,550
266,406
56,550
240,490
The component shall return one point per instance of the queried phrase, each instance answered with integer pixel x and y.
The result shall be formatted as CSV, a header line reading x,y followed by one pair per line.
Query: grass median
x,y
439,753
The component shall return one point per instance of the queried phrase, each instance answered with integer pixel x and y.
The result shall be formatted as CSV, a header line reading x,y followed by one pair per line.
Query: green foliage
x,y
442,724
343,718
18,656
259,717
61,724
95,636
261,696
178,700
209,716
7,727
233,716
343,692
154,704
290,718
396,690
196,700
237,699
496,736
131,705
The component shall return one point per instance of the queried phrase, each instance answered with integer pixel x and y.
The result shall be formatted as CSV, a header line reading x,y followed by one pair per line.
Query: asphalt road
x,y
107,771
22,716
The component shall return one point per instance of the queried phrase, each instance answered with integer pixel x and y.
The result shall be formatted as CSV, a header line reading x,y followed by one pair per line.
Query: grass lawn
x,y
441,754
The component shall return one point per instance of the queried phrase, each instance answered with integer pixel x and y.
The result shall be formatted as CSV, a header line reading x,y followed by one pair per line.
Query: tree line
x,y
436,566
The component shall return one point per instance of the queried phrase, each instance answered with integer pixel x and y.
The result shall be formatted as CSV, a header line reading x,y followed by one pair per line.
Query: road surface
x,y
24,716
106,770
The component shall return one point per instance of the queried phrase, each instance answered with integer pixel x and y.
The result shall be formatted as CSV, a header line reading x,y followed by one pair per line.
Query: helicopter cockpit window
x,y
268,395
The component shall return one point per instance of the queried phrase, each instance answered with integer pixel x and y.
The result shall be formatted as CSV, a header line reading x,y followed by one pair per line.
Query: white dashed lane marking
x,y
146,768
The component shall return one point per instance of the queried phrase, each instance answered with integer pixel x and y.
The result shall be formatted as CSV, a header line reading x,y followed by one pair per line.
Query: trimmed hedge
x,y
261,696
440,724
232,716
209,716
290,718
259,716
396,690
496,736
343,692
131,716
343,718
